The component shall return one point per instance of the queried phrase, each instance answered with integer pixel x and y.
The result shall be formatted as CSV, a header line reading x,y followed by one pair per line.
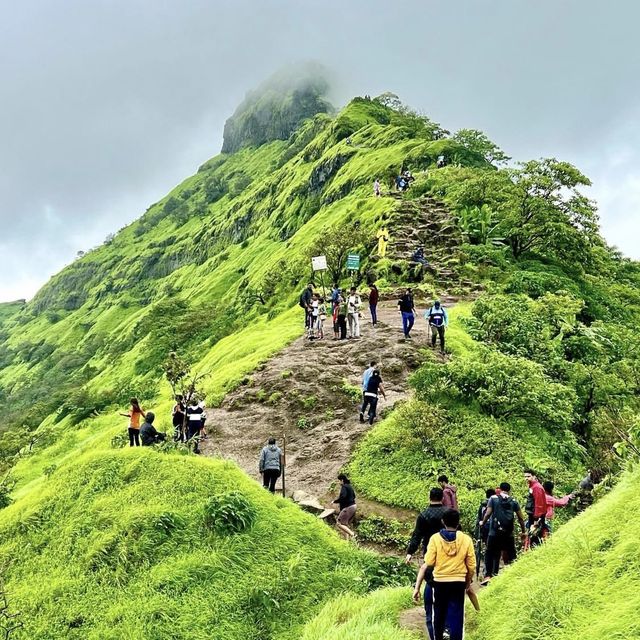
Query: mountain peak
x,y
277,107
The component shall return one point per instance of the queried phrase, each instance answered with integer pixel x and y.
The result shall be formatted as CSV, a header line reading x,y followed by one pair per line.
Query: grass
x,y
582,584
123,540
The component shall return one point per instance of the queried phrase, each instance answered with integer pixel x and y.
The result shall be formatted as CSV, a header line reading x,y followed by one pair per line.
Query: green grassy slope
x,y
122,547
583,584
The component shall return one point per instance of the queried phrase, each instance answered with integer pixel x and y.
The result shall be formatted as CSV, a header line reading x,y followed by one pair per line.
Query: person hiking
x,y
483,531
136,413
374,385
148,433
366,376
438,321
270,465
335,294
585,492
315,314
552,503
177,418
449,499
448,568
305,302
342,317
407,310
203,420
194,423
536,508
353,313
428,523
500,514
322,318
374,296
440,162
347,504
376,188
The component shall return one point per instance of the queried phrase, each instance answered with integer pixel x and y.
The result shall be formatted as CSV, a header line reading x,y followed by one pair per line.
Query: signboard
x,y
353,262
319,263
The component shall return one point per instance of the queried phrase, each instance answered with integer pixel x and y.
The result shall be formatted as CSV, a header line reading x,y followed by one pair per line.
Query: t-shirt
x,y
406,303
366,376
428,523
314,308
347,496
353,303
374,384
134,418
194,414
373,296
178,414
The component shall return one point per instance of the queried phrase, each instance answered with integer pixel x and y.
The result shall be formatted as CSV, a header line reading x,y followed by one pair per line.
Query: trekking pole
x,y
284,462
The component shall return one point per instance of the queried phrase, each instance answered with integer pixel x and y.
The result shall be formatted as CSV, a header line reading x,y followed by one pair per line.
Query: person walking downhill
x,y
536,508
353,313
448,568
407,310
449,499
374,296
438,321
270,465
500,514
136,413
374,385
347,503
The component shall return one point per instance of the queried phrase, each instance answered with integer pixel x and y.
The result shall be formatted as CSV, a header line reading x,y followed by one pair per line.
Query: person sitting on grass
x,y
347,503
448,568
148,433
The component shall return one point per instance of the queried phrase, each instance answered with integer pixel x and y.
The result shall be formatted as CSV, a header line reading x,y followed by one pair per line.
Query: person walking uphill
x,y
501,512
438,321
449,499
347,503
135,414
407,310
448,568
374,384
270,465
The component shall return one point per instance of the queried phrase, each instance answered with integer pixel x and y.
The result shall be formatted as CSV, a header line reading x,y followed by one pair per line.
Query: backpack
x,y
503,514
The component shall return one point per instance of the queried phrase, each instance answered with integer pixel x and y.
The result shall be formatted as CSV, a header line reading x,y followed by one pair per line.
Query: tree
x,y
336,245
478,142
545,212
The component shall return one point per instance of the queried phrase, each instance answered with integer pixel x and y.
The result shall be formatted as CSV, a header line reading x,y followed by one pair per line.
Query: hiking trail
x,y
301,393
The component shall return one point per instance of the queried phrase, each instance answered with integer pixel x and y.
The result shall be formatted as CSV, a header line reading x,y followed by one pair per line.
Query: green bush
x,y
229,512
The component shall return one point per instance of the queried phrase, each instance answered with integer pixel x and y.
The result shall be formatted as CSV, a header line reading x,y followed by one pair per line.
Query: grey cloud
x,y
106,105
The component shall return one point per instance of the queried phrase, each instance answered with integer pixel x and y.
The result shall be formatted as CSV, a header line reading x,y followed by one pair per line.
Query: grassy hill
x,y
542,369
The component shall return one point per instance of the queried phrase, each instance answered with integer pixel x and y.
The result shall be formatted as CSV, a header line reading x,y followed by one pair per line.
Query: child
x,y
314,316
322,316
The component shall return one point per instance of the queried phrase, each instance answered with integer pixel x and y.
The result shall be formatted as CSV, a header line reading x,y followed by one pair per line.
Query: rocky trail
x,y
310,393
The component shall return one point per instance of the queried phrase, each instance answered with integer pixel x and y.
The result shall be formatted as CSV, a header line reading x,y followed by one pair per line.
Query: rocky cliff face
x,y
276,109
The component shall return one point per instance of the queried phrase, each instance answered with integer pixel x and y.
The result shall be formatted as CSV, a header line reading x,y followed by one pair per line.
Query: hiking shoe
x,y
371,420
361,417
486,581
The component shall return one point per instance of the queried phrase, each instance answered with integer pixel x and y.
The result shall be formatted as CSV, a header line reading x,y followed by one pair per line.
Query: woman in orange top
x,y
134,416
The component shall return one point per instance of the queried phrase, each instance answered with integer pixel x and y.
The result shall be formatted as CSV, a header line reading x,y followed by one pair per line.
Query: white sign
x,y
319,263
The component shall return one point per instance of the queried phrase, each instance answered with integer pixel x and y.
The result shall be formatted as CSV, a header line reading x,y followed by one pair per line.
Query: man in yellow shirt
x,y
449,565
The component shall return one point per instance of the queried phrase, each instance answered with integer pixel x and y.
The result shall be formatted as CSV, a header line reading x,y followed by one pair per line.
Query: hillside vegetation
x,y
542,369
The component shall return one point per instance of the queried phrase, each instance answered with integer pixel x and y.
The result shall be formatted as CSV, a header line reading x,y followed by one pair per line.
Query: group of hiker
x,y
188,419
450,560
346,313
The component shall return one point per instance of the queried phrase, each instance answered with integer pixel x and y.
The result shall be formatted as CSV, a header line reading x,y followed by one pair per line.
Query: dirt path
x,y
304,392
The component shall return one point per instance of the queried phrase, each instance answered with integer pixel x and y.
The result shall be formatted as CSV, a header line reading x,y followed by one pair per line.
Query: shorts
x,y
346,515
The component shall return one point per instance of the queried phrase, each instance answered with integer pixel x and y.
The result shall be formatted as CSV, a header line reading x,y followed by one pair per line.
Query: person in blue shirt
x,y
438,320
366,376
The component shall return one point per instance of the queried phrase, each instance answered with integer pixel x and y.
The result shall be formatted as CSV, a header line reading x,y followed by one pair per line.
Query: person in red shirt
x,y
373,304
536,507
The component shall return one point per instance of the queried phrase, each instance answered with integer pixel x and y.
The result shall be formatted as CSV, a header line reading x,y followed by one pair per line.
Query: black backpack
x,y
503,514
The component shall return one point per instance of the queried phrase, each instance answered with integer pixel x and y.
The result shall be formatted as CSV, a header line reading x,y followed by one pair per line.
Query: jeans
x,y
373,308
134,436
496,544
437,332
372,403
448,609
354,325
407,322
269,479
193,431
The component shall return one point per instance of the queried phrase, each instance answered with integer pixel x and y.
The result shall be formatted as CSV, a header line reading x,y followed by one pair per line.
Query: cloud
x,y
107,105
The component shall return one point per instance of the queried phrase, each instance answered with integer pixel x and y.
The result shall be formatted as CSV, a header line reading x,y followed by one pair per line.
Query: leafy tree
x,y
479,225
478,142
336,244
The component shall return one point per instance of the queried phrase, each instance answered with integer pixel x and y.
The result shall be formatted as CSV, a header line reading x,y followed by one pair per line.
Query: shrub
x,y
353,392
310,402
228,513
303,423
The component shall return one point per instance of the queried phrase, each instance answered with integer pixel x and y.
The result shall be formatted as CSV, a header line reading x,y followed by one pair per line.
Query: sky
x,y
106,105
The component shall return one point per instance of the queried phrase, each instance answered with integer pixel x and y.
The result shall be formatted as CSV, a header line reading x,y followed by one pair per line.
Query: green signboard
x,y
353,262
